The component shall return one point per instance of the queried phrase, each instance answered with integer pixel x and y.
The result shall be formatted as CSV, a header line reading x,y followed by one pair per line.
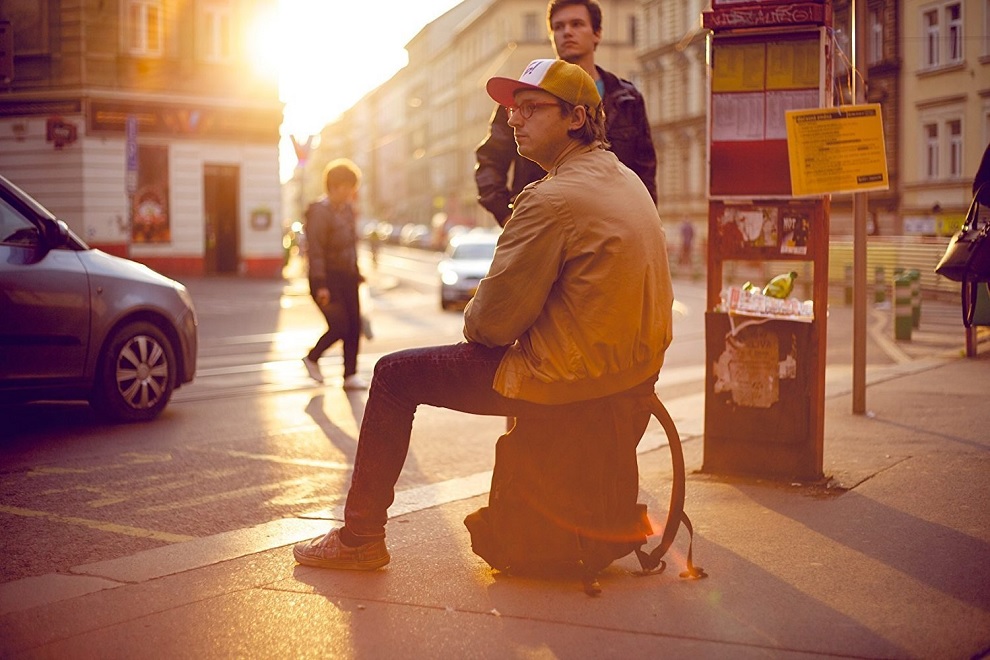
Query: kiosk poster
x,y
836,150
795,227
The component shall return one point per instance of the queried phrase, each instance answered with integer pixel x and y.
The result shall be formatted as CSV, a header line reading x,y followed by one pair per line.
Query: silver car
x,y
79,324
466,260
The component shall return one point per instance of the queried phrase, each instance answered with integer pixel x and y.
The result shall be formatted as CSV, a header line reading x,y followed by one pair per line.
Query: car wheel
x,y
136,376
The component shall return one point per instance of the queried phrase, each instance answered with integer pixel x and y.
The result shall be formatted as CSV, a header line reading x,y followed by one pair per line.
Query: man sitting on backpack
x,y
576,305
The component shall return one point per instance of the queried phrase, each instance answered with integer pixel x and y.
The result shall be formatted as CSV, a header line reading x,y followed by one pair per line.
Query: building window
x,y
931,151
217,33
986,28
943,35
942,133
633,29
874,54
955,148
531,28
144,27
953,14
931,38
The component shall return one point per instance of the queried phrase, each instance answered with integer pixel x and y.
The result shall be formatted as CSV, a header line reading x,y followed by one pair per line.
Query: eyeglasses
x,y
527,109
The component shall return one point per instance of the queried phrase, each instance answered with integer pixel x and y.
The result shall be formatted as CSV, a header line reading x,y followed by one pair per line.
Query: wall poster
x,y
149,211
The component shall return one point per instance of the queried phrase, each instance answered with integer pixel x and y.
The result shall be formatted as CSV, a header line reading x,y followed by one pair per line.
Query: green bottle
x,y
780,286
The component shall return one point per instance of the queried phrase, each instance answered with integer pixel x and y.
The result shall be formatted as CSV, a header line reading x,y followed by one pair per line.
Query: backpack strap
x,y
653,562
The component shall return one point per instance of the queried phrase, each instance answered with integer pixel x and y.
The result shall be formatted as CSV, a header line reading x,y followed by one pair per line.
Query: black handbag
x,y
967,257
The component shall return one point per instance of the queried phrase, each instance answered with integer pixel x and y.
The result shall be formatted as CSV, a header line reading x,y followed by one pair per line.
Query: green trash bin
x,y
879,285
903,318
915,298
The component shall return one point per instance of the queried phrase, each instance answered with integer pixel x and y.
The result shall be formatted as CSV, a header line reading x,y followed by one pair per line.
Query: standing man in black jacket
x,y
576,28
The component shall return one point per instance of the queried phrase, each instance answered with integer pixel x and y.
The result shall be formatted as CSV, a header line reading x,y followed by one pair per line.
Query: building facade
x,y
882,71
927,65
672,55
415,136
945,109
145,126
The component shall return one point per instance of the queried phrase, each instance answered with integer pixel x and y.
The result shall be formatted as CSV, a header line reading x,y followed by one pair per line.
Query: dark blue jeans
x,y
457,377
343,316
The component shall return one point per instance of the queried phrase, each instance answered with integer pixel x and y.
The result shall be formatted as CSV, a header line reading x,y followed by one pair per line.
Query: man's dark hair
x,y
594,126
594,10
341,171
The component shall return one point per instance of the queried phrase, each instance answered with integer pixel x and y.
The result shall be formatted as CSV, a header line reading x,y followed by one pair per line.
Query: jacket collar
x,y
572,150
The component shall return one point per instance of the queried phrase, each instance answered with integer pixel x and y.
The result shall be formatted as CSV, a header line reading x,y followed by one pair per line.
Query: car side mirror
x,y
61,234
53,234
44,238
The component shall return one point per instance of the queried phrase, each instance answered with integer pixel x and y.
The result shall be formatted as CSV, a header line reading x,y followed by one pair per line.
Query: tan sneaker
x,y
328,552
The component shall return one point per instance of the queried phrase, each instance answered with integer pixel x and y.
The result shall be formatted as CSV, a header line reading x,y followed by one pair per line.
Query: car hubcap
x,y
142,372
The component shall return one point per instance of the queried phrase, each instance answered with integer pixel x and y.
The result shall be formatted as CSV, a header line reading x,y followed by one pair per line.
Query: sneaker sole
x,y
346,565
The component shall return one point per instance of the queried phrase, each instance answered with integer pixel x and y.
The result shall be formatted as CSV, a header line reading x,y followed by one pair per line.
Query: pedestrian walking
x,y
687,242
334,277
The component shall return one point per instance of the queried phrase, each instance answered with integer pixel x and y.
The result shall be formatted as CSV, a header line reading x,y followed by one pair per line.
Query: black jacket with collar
x,y
626,127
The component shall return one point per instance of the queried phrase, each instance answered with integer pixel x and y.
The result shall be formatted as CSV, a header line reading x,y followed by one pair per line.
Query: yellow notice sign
x,y
836,150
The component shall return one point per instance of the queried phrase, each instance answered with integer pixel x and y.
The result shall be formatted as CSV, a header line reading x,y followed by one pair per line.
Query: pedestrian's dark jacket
x,y
982,179
331,244
626,127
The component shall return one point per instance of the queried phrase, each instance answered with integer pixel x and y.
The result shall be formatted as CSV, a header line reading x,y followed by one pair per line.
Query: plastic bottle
x,y
780,286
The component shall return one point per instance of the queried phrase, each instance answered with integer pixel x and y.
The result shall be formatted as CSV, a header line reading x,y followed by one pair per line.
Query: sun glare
x,y
265,43
330,53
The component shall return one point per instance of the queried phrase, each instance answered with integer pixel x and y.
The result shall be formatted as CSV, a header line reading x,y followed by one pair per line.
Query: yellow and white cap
x,y
566,81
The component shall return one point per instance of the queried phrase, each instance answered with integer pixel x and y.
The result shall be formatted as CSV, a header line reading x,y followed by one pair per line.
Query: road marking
x,y
272,458
113,528
887,345
135,459
228,495
146,486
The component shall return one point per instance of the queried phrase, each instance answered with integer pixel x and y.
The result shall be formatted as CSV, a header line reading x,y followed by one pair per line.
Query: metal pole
x,y
859,222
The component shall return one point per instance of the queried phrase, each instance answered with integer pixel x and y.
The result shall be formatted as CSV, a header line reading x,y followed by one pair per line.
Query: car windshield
x,y
474,251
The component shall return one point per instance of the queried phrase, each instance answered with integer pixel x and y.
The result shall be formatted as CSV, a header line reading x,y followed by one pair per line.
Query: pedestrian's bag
x,y
967,257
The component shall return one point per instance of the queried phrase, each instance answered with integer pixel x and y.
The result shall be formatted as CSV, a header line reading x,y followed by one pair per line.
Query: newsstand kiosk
x,y
765,356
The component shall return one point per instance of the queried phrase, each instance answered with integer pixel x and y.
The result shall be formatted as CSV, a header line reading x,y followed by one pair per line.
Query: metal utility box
x,y
758,414
765,358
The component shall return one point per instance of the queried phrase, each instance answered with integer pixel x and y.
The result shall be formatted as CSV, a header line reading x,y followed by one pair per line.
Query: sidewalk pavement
x,y
889,558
